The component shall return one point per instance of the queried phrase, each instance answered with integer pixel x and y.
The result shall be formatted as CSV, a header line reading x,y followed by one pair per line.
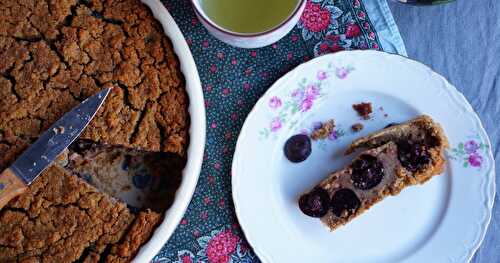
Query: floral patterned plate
x,y
442,221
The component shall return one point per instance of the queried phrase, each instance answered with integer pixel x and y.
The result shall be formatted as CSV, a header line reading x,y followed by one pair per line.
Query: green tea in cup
x,y
248,16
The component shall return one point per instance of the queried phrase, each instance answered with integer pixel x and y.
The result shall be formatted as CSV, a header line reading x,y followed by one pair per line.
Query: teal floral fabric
x,y
233,79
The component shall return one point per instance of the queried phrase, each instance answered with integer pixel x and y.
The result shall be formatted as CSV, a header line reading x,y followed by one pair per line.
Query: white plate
x,y
443,220
196,135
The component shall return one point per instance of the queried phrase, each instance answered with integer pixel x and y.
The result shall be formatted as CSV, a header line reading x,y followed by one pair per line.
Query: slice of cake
x,y
391,159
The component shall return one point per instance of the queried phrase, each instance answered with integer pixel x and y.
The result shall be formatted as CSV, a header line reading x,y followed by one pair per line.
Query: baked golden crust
x,y
54,56
139,233
422,125
63,219
383,145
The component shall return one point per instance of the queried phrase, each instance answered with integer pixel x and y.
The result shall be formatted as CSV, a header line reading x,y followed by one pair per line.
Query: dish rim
x,y
197,133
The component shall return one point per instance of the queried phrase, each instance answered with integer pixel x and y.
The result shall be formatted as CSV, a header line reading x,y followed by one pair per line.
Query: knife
x,y
15,179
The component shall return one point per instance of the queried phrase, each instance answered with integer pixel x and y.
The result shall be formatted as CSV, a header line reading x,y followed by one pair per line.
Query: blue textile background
x,y
461,40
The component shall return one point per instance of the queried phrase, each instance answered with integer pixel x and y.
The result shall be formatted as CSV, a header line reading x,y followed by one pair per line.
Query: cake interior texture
x,y
387,161
103,197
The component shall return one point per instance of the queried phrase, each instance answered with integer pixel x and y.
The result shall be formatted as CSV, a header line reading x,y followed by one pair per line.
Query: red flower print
x,y
329,45
336,47
356,4
221,203
375,46
333,38
323,47
315,18
221,246
186,259
204,215
371,35
211,179
361,15
352,31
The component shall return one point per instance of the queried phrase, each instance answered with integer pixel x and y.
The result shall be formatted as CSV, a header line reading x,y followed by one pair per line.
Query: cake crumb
x,y
58,130
357,127
324,131
363,109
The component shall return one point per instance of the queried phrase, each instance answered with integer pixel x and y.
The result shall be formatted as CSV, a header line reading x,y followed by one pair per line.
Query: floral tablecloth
x,y
233,80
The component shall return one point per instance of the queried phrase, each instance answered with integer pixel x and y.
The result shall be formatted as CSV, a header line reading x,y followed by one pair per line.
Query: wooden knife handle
x,y
10,186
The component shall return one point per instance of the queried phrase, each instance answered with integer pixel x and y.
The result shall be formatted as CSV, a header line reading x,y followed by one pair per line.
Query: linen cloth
x,y
461,41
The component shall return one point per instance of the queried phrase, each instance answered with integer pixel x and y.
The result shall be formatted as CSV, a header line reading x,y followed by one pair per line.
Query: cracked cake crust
x,y
54,54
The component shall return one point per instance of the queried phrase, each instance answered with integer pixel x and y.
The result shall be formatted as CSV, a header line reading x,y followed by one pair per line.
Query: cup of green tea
x,y
249,23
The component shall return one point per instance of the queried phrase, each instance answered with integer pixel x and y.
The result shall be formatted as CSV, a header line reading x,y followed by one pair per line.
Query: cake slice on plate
x,y
390,160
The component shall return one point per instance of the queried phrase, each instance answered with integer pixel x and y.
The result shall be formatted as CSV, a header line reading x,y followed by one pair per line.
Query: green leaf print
x,y
466,164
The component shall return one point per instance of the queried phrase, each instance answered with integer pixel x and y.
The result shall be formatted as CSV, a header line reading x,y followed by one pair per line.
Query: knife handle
x,y
10,186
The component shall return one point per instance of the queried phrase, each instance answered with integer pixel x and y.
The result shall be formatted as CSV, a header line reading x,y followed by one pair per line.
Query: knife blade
x,y
32,162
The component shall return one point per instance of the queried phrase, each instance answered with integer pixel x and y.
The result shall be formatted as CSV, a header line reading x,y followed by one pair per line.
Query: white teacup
x,y
250,40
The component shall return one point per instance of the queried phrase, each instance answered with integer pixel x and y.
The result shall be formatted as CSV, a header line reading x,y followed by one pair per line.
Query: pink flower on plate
x,y
356,4
475,160
322,75
297,93
276,124
315,18
221,246
341,73
275,102
471,146
311,91
306,105
333,135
